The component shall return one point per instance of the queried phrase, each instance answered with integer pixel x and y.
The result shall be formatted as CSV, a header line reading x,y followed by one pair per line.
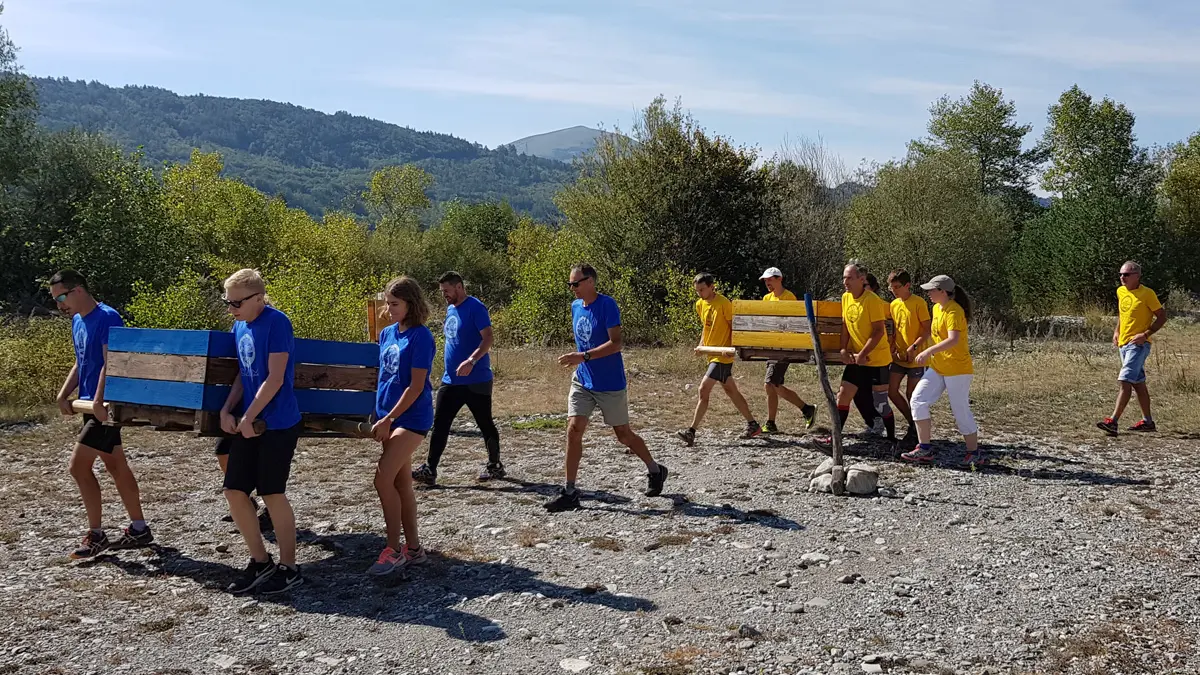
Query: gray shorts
x,y
614,405
776,372
915,371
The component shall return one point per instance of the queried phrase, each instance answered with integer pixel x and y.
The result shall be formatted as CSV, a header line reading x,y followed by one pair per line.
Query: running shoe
x,y
92,545
1108,425
688,436
492,472
1144,425
919,454
132,538
255,574
810,415
752,431
563,502
391,560
283,580
976,458
425,475
655,486
770,428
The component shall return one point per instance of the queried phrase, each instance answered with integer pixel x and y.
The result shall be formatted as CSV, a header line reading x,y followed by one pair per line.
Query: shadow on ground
x,y
337,585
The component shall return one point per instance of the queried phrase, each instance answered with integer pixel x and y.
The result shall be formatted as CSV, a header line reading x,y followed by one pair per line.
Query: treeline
x,y
648,209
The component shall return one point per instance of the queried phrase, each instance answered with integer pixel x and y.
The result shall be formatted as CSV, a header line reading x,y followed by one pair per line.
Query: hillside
x,y
563,145
314,160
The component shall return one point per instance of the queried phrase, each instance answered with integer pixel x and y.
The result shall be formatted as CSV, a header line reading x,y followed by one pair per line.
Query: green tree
x,y
489,223
1180,208
396,194
804,229
927,215
17,108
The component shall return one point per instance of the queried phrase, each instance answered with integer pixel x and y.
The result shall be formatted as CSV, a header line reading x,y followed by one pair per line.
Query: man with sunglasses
x,y
1141,315
599,382
90,323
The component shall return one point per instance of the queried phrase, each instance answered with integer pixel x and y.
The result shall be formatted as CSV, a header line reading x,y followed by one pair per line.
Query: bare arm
x,y
98,409
410,395
951,339
613,346
485,344
69,385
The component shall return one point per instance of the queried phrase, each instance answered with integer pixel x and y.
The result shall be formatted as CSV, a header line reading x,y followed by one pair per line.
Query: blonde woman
x,y
404,406
950,370
261,462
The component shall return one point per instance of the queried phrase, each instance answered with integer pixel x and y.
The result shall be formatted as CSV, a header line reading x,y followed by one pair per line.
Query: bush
x,y
321,304
191,303
35,357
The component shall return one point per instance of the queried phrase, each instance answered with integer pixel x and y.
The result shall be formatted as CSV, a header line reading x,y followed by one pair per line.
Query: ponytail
x,y
963,300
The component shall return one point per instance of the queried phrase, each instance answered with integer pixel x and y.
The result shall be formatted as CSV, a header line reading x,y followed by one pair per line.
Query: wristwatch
x,y
471,360
587,356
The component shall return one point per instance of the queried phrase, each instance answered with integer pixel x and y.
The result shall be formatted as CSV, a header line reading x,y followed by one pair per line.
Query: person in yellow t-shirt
x,y
910,315
1142,315
949,370
777,370
865,349
716,317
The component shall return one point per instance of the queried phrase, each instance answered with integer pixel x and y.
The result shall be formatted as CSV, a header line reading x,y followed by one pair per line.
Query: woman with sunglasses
x,y
261,462
404,407
950,370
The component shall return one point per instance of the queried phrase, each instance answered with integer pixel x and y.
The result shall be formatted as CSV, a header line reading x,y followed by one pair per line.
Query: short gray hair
x,y
1136,267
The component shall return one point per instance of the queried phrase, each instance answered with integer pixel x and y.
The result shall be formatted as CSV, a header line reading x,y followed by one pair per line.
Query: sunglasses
x,y
237,304
62,297
575,284
1128,274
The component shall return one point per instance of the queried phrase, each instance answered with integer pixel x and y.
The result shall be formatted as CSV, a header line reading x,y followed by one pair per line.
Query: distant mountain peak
x,y
563,145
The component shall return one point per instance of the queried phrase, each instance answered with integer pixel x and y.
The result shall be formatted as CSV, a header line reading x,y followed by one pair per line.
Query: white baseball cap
x,y
771,272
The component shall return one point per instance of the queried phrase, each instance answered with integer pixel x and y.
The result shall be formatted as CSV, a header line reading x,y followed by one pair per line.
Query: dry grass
x,y
604,543
528,537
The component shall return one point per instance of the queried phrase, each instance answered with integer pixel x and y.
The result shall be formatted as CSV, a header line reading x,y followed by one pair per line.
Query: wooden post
x,y
839,471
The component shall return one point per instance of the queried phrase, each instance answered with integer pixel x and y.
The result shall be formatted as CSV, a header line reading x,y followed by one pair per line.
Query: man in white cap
x,y
777,370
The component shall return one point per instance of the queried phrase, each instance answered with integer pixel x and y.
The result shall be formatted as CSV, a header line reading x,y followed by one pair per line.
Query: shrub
x,y
191,303
35,357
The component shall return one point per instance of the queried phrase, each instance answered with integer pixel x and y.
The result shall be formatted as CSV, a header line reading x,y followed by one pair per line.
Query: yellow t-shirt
x,y
858,315
957,359
716,316
786,295
1137,311
908,315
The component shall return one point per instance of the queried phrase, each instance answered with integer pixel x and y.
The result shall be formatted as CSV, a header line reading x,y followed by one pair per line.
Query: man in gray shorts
x,y
599,382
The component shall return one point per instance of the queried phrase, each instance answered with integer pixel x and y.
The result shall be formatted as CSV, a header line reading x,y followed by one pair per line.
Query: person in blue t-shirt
x,y
99,437
265,347
467,379
599,382
404,408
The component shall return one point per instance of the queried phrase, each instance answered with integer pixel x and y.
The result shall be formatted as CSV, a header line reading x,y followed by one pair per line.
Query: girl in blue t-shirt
x,y
404,408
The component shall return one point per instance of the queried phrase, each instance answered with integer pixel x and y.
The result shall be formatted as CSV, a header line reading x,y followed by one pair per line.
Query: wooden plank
x,y
329,352
825,308
172,367
307,375
187,395
829,342
785,324
181,342
329,402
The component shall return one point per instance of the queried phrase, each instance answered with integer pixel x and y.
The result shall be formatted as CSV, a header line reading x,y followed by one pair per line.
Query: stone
x,y
223,661
747,631
905,581
783,583
822,483
814,558
794,608
328,660
824,468
911,498
768,545
574,665
956,519
872,668
862,479
786,660
817,602
222,548
848,578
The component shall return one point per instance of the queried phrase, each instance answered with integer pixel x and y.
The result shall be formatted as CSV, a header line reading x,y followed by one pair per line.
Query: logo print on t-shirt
x,y
853,312
450,329
246,353
1126,304
391,359
80,341
583,330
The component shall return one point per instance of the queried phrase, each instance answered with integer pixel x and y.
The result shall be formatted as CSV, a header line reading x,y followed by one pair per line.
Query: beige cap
x,y
941,282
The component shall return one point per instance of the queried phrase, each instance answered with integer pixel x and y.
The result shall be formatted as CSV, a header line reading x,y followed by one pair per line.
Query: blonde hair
x,y
249,279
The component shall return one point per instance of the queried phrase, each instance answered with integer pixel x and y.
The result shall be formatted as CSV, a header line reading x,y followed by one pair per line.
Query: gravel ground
x,y
1056,557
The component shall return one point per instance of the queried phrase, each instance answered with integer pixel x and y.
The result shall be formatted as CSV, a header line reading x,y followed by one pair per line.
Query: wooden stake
x,y
839,471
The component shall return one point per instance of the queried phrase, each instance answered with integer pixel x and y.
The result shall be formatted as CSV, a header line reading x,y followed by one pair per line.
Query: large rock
x,y
822,483
862,479
823,468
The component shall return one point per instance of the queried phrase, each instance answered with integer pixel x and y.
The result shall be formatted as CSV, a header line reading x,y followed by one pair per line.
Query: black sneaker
x,y
752,431
425,475
688,436
255,573
810,415
1144,425
770,428
92,545
656,481
492,472
132,538
1108,425
283,580
563,502
264,521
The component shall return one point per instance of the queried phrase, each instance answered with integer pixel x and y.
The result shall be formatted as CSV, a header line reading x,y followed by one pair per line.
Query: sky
x,y
857,75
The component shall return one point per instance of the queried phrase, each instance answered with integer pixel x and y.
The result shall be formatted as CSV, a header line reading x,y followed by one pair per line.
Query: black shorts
x,y
98,436
866,376
262,463
776,371
719,371
224,444
915,371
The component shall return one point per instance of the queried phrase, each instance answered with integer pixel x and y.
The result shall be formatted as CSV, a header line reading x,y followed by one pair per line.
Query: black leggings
x,y
865,403
449,400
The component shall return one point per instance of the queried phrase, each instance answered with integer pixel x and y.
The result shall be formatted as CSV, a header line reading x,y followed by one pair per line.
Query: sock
x,y
137,525
770,421
843,414
1148,418
925,446
1115,419
570,489
889,424
98,531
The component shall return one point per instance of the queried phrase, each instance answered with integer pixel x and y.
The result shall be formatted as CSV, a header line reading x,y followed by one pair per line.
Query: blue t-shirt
x,y
269,333
399,353
591,324
462,331
90,334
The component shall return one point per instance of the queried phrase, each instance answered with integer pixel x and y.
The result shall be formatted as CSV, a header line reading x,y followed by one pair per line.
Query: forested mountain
x,y
314,160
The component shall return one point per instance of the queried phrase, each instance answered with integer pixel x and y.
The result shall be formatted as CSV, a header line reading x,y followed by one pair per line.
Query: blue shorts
x,y
1133,363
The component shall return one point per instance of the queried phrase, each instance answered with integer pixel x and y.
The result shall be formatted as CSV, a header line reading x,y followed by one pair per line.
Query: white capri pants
x,y
958,387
